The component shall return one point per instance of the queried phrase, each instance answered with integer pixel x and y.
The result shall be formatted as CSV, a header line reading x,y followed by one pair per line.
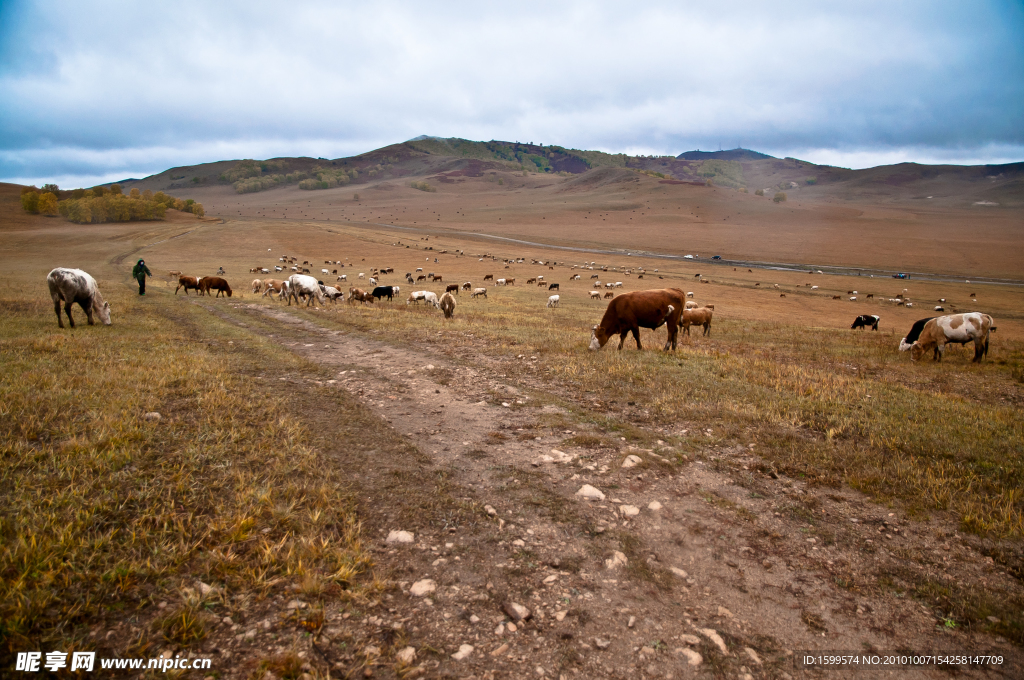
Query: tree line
x,y
104,204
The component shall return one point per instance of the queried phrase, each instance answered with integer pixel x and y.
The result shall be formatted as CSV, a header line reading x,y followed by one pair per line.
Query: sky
x,y
92,92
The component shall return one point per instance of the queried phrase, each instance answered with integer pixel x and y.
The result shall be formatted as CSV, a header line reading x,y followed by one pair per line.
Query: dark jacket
x,y
140,270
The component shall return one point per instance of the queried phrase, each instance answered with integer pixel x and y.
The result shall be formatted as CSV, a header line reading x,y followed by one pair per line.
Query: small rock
x,y
464,651
206,590
689,639
559,616
654,505
678,572
500,630
519,543
296,604
516,611
632,622
712,634
152,417
400,537
406,655
474,619
632,461
590,493
500,650
250,634
423,587
551,579
602,644
693,657
371,650
992,619
629,510
490,510
753,655
648,651
722,611
429,367
617,560
511,627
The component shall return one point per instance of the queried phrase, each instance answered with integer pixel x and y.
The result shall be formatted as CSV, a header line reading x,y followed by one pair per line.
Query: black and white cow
x,y
74,285
865,321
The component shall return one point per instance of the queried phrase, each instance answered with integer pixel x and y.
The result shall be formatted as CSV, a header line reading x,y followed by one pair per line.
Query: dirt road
x,y
713,566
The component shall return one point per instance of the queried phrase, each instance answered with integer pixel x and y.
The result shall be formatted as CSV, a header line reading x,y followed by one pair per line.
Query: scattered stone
x,y
722,611
992,619
689,639
207,590
648,651
406,655
464,651
500,630
753,655
250,634
400,537
500,650
296,604
654,505
712,634
474,619
632,622
551,579
423,587
560,616
693,657
519,543
429,367
516,611
629,510
602,644
617,560
590,493
491,511
632,461
511,627
371,650
678,572
152,417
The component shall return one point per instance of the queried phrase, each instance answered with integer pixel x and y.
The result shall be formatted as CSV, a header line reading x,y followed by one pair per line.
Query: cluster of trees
x,y
325,178
250,168
423,186
101,204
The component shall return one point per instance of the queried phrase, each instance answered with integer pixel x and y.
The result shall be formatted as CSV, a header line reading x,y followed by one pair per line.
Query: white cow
x,y
74,285
553,301
478,292
300,285
499,282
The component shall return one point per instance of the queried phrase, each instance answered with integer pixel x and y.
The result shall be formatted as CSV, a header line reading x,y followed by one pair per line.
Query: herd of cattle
x,y
625,314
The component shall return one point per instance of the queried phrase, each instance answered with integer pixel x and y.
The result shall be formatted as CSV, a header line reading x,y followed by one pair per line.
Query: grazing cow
x,y
510,282
915,333
836,297
529,281
409,279
696,317
72,286
343,277
384,291
691,304
324,271
608,295
332,293
208,283
553,301
630,312
640,276
468,285
360,295
273,286
477,292
499,282
596,295
302,285
438,277
554,286
488,277
373,281
257,285
689,294
865,321
188,283
575,278
954,329
939,308
421,277
595,276
447,305
452,287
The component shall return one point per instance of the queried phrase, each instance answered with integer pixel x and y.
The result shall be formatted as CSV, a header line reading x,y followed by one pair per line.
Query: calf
x,y
72,286
866,320
696,317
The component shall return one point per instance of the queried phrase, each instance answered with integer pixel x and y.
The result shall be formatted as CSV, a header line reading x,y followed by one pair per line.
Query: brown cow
x,y
273,286
696,317
208,283
188,283
452,287
630,312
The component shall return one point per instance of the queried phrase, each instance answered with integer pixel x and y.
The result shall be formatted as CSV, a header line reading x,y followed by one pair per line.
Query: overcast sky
x,y
98,91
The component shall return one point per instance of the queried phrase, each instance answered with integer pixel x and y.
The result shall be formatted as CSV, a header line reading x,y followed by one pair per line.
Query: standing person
x,y
139,271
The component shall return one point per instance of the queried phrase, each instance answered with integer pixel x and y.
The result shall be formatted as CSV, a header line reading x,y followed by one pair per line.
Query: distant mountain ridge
x,y
737,154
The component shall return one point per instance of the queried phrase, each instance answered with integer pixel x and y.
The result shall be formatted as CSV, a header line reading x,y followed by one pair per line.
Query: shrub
x,y
759,192
779,197
51,188
355,197
423,186
812,180
30,201
47,204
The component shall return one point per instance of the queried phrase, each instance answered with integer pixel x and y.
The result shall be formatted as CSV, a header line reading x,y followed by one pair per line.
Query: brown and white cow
x,y
188,283
954,329
630,312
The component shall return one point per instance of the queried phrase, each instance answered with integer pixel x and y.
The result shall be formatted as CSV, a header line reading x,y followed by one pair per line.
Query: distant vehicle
x,y
688,257
901,275
716,257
